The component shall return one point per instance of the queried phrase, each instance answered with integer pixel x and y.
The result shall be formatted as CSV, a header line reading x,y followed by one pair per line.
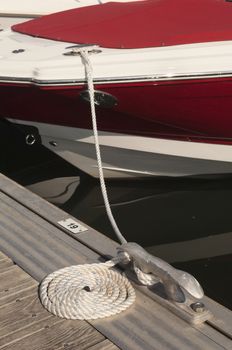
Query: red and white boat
x,y
163,76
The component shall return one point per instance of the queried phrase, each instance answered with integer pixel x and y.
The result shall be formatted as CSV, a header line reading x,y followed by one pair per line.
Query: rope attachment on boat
x,y
84,53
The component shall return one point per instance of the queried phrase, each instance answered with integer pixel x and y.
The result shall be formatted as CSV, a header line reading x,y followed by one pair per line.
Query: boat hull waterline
x,y
134,156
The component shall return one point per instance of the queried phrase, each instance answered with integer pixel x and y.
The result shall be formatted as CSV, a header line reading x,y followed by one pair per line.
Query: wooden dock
x,y
34,244
25,324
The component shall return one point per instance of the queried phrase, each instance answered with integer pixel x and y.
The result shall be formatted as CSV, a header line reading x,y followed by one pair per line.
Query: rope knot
x,y
147,279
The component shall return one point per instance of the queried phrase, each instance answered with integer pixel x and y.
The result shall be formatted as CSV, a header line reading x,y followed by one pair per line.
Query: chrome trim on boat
x,y
126,79
19,15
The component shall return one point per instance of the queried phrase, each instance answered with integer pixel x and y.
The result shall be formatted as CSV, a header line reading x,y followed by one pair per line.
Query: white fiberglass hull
x,y
8,21
18,11
135,156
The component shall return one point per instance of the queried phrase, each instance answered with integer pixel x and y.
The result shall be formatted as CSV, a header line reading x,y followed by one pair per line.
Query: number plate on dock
x,y
72,225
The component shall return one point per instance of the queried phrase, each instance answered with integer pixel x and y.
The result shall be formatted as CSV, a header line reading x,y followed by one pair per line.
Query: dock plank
x,y
3,257
5,265
9,278
25,231
146,325
21,314
102,245
15,284
18,295
105,345
54,334
25,324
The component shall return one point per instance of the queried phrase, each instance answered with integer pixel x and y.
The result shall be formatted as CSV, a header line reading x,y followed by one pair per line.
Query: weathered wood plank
x,y
103,245
218,337
3,256
105,345
147,325
222,320
5,265
21,314
24,323
18,295
59,335
25,231
13,281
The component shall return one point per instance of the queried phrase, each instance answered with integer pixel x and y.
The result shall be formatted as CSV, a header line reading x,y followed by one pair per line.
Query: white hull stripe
x,y
112,80
187,149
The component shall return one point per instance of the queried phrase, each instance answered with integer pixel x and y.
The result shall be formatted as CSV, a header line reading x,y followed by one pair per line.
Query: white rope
x,y
145,278
91,291
86,292
88,69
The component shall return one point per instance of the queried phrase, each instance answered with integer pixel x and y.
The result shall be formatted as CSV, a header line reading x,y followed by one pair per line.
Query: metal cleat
x,y
75,49
172,279
175,282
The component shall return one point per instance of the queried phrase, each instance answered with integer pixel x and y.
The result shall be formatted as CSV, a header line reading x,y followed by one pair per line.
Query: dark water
x,y
188,222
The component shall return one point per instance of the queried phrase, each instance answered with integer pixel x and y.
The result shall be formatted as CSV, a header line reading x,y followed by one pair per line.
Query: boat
x,y
162,74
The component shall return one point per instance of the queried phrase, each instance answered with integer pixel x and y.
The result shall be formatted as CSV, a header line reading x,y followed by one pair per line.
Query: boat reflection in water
x,y
187,222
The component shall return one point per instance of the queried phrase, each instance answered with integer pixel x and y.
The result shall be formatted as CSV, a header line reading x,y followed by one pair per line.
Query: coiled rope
x,y
86,292
89,291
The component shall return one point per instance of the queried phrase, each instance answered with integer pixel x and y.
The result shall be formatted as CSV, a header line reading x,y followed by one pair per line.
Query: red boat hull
x,y
197,109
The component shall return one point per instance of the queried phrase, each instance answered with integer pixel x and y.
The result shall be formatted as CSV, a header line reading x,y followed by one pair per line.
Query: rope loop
x,y
146,279
86,292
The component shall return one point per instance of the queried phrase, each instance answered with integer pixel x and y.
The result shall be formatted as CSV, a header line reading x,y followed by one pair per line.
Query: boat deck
x,y
32,238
